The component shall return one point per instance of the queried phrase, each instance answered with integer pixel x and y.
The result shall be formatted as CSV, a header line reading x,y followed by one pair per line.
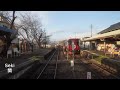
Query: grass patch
x,y
100,58
109,62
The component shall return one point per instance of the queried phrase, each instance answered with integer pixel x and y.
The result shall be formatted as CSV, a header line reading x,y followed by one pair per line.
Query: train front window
x,y
77,43
69,42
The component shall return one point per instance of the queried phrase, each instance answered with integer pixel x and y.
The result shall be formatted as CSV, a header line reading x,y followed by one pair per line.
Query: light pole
x,y
73,61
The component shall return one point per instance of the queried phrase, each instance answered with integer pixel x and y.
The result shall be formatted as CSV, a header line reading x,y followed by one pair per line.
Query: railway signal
x,y
67,51
73,46
72,62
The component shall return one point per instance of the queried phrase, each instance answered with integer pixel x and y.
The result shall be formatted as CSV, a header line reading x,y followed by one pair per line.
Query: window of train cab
x,y
69,42
77,42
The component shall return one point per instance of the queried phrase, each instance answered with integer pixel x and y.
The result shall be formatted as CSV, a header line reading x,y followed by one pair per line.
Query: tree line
x,y
29,27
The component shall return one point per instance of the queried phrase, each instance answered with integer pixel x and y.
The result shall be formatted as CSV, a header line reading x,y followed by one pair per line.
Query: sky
x,y
70,24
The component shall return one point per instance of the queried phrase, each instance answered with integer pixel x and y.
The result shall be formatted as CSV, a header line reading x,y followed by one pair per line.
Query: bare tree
x,y
45,39
10,36
32,28
5,14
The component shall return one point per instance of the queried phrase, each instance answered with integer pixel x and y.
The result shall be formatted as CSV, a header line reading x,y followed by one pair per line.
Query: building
x,y
106,39
5,29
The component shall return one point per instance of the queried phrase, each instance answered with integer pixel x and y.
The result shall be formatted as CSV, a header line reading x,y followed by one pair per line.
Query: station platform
x,y
116,57
24,57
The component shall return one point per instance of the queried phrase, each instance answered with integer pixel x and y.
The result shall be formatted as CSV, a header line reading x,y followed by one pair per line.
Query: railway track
x,y
21,70
98,72
43,70
83,63
50,69
106,70
94,73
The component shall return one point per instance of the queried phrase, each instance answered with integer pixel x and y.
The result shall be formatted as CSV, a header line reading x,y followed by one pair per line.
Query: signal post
x,y
72,61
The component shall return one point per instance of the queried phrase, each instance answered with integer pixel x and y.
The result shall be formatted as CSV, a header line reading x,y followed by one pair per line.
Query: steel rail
x,y
46,65
56,65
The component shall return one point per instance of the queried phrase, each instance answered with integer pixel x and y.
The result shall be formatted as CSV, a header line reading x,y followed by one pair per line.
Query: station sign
x,y
88,75
9,67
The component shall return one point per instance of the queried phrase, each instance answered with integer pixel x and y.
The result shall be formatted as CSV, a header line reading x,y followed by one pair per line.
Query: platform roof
x,y
113,27
111,31
4,29
104,35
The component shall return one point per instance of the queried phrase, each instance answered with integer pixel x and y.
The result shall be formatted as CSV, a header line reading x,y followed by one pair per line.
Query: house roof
x,y
111,28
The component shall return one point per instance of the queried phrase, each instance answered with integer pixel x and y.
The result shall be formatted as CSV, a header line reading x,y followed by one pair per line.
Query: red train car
x,y
72,45
76,46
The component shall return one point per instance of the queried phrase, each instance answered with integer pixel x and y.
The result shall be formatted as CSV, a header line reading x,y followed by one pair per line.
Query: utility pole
x,y
45,40
91,30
